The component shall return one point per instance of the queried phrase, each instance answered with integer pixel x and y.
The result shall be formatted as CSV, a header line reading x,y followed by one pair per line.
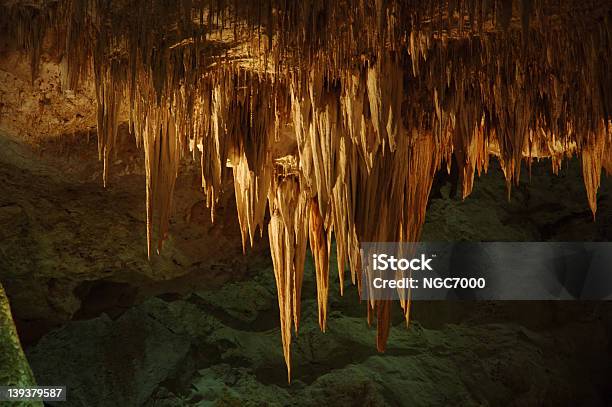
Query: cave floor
x,y
222,347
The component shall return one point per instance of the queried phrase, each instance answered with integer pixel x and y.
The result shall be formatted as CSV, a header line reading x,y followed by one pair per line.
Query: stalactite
x,y
320,251
108,98
593,159
383,322
288,233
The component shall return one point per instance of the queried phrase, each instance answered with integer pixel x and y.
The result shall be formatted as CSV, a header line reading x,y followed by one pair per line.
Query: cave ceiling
x,y
332,117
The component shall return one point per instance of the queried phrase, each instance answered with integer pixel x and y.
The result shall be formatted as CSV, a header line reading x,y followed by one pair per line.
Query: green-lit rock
x,y
14,368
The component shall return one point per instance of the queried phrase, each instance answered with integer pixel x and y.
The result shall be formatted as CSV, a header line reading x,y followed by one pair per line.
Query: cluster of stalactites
x,y
368,171
377,97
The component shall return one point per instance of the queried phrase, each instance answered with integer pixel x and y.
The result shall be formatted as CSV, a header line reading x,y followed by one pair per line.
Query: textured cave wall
x,y
542,207
71,247
37,110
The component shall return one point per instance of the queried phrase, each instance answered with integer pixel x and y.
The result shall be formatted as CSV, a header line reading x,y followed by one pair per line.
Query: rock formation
x,y
333,116
15,370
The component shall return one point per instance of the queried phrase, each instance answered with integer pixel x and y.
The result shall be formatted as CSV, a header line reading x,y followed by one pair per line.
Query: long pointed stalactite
x,y
334,115
288,232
